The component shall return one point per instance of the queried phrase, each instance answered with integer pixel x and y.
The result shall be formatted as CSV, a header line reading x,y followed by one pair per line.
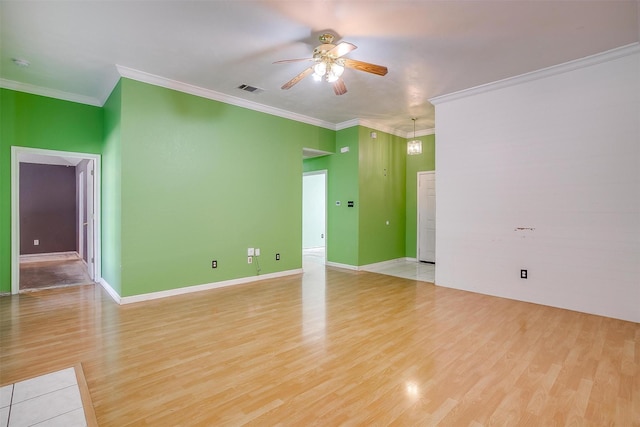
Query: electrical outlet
x,y
249,260
36,242
250,252
214,264
257,252
523,274
277,257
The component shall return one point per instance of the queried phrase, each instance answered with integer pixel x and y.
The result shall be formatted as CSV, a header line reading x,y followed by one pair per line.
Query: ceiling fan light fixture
x,y
320,69
414,147
337,69
329,64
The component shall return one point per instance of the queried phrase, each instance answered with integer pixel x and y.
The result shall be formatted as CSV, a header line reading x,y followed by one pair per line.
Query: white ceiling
x,y
431,48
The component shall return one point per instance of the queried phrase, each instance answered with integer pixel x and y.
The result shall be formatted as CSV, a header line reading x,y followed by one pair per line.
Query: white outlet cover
x,y
257,252
36,242
250,252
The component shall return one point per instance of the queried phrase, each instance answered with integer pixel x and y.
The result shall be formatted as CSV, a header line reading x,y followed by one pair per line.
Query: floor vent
x,y
251,89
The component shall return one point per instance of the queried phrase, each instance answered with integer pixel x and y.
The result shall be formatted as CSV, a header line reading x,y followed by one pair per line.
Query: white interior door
x,y
82,220
427,216
90,220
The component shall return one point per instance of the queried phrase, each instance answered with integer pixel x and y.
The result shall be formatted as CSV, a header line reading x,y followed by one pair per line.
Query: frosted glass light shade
x,y
414,147
320,69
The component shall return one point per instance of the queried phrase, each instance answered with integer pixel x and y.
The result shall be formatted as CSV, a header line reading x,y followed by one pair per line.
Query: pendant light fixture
x,y
415,145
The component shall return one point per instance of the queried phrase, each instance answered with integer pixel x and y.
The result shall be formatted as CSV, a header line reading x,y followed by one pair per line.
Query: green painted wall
x,y
342,185
418,163
112,191
382,181
373,175
39,122
186,180
204,180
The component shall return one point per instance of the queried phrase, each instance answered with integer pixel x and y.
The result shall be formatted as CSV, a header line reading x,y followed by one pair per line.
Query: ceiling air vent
x,y
251,89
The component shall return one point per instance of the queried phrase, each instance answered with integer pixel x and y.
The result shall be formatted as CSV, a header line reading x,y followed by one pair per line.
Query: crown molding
x,y
347,124
587,61
382,128
49,93
155,80
424,132
373,125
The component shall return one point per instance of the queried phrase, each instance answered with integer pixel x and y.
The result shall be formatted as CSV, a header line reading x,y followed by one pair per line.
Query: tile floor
x,y
399,268
49,400
407,269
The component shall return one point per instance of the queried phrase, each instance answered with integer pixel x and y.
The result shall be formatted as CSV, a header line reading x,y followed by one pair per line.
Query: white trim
x,y
424,132
155,80
15,207
205,287
112,292
348,124
49,93
410,259
382,128
339,265
598,58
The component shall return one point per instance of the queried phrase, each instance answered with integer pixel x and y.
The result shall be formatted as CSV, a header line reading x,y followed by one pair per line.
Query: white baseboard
x,y
410,259
346,266
204,287
112,292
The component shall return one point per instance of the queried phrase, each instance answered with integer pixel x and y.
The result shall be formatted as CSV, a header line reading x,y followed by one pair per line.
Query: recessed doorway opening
x,y
314,216
55,221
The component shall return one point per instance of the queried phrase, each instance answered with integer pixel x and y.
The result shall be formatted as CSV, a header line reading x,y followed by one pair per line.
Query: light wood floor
x,y
328,348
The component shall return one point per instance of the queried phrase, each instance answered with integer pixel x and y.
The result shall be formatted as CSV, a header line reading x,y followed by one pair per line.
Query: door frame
x,y
325,195
418,211
15,208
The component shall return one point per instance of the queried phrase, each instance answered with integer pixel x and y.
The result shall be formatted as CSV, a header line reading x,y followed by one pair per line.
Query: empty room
x,y
225,213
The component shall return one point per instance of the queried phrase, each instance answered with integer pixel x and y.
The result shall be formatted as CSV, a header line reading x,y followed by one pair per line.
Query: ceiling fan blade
x,y
297,78
339,87
365,66
341,48
284,61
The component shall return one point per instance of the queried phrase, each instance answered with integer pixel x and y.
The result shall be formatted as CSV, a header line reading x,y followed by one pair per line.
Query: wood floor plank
x,y
331,347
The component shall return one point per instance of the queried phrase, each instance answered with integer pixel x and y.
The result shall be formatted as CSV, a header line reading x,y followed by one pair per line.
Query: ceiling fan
x,y
329,64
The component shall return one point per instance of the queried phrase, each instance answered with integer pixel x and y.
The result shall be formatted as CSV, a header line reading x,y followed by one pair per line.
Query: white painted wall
x,y
561,155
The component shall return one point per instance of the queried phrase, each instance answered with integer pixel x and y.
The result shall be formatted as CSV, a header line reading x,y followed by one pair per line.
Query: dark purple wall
x,y
47,208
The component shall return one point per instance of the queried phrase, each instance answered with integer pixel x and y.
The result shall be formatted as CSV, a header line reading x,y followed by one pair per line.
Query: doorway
x,y
426,217
314,216
85,224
